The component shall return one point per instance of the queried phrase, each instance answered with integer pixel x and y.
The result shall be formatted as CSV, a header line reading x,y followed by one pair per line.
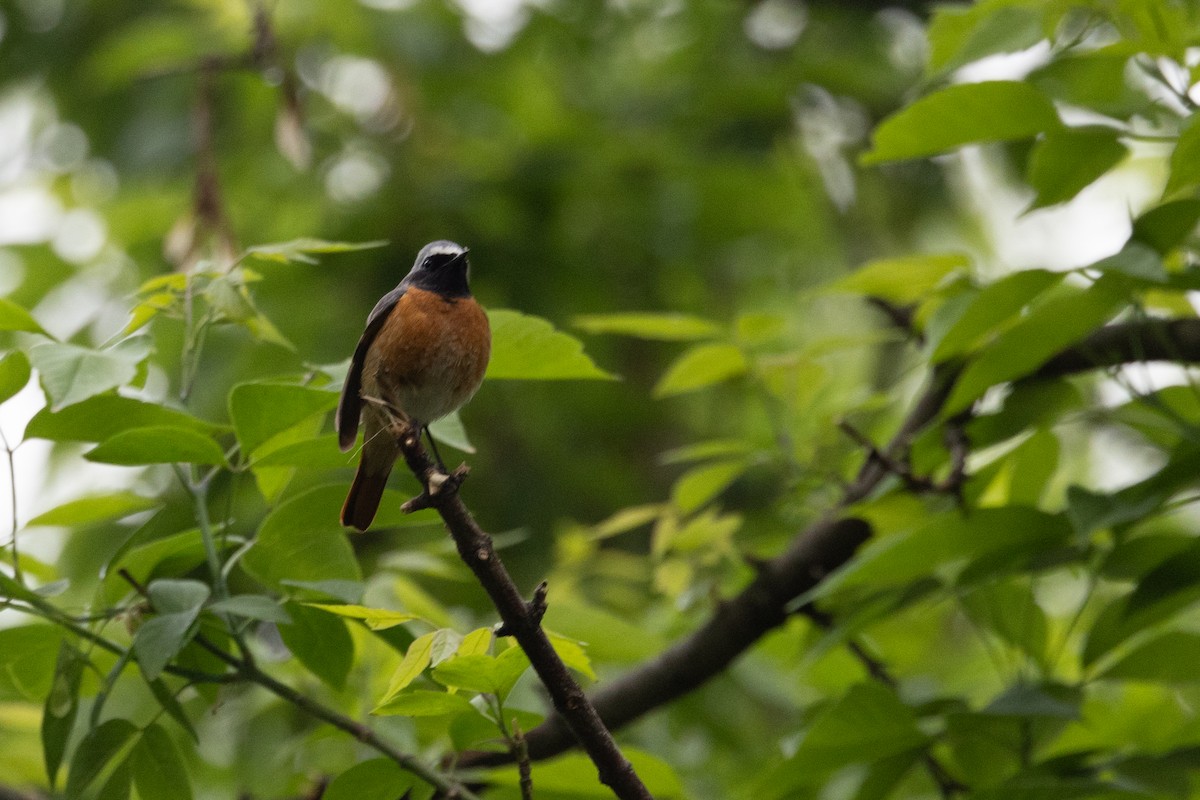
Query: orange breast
x,y
429,357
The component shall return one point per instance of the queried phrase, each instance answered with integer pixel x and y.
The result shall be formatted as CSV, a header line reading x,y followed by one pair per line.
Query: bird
x,y
422,356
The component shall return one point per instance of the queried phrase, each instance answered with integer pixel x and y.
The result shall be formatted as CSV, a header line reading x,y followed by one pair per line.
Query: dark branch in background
x,y
830,542
521,620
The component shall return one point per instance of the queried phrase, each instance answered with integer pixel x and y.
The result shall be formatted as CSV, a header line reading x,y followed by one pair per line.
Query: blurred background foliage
x,y
695,159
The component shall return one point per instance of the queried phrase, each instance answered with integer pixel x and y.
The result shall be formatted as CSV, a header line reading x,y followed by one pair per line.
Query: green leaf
x,y
449,430
158,769
15,318
28,654
422,703
177,604
959,35
317,453
70,373
700,366
1167,589
1136,260
377,619
950,540
572,652
665,327
698,486
262,410
377,779
477,642
302,540
97,508
1165,227
529,348
959,325
902,280
102,417
574,776
1092,79
626,520
1051,326
320,642
866,724
252,606
98,756
301,250
1010,610
416,659
512,663
992,111
1088,511
474,673
1169,658
1026,700
1185,159
62,704
1068,160
157,445
14,374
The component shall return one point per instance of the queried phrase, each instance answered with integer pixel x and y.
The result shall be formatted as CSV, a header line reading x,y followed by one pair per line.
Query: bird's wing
x,y
350,403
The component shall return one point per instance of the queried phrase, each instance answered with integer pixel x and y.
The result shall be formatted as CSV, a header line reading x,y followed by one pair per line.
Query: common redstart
x,y
422,356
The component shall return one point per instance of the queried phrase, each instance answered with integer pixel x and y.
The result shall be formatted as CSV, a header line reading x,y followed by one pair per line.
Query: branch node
x,y
535,609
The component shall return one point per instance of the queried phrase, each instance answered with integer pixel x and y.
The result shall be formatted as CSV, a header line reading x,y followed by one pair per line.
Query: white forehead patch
x,y
447,249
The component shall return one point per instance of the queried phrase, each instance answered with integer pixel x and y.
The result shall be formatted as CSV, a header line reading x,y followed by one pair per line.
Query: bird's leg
x,y
436,455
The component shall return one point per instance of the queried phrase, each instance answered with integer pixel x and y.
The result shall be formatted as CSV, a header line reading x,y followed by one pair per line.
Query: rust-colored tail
x,y
363,501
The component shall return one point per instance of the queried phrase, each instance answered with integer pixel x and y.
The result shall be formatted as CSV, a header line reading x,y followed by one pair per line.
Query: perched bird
x,y
422,356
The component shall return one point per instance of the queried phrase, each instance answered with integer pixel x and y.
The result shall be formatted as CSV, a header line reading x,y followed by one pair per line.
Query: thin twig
x,y
12,488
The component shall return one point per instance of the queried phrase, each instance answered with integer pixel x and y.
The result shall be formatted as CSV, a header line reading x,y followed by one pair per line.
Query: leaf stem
x,y
12,488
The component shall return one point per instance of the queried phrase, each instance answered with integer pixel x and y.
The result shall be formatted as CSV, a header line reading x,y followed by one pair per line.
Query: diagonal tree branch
x,y
521,620
830,542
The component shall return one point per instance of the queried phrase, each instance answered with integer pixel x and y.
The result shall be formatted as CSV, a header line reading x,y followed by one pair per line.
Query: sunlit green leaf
x,y
958,327
102,417
1166,226
377,619
1051,326
303,249
97,508
14,374
992,111
959,35
421,703
416,659
157,445
529,348
261,410
377,779
573,653
701,484
70,373
663,326
15,318
1169,658
701,366
473,673
902,280
1068,160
